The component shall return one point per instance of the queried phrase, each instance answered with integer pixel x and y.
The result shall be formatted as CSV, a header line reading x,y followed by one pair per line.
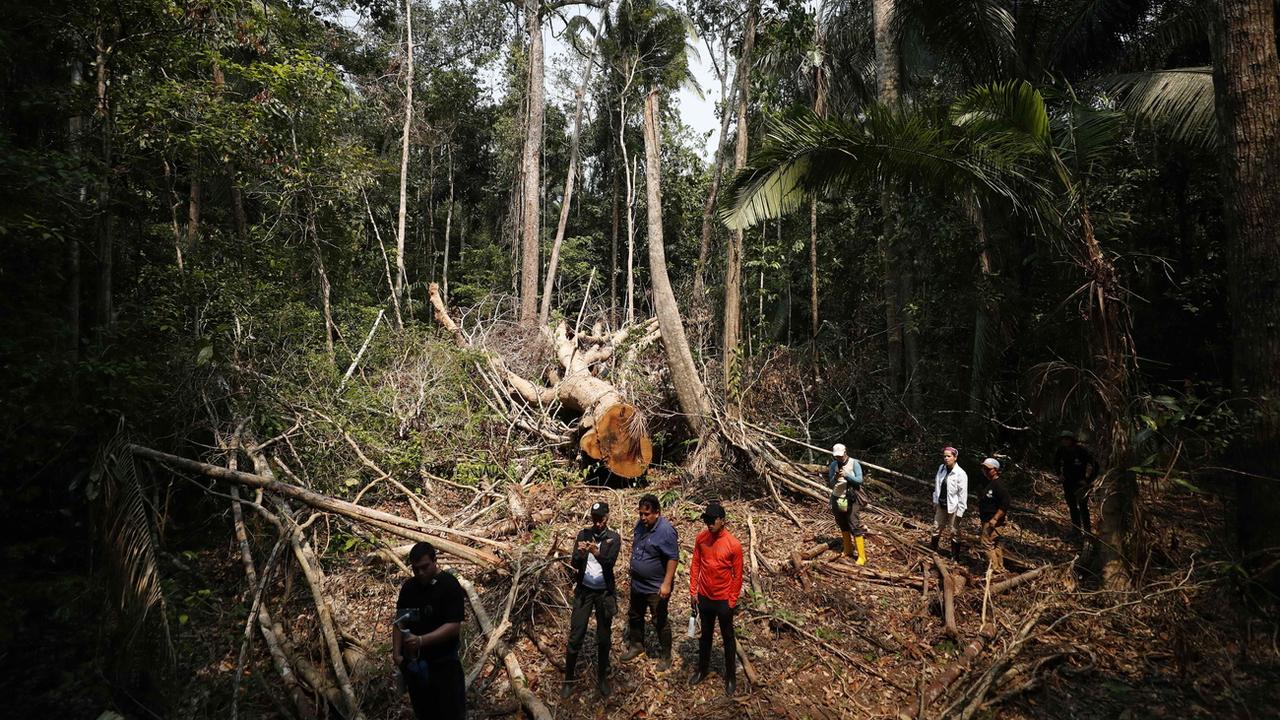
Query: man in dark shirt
x,y
993,508
1076,469
424,639
655,549
594,555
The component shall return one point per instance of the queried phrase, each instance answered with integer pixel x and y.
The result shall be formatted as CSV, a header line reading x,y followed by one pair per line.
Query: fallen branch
x,y
948,596
403,527
1017,580
519,683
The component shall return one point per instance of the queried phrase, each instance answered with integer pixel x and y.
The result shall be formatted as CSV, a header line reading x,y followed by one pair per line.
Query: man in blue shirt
x,y
655,548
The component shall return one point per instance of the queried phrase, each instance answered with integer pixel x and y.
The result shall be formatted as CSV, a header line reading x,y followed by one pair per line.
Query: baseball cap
x,y
992,463
600,509
838,450
714,510
1067,434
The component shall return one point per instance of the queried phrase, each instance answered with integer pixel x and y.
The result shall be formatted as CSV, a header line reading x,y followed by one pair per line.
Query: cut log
x,y
1017,580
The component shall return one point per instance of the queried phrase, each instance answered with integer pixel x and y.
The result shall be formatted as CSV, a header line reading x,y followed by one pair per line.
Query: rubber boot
x,y
570,671
602,672
933,542
847,540
862,550
730,674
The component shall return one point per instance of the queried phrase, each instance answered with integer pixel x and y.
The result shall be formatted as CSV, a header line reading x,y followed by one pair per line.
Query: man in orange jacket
x,y
715,581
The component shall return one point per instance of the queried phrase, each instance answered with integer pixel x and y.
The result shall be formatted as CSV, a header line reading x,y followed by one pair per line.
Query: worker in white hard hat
x,y
844,477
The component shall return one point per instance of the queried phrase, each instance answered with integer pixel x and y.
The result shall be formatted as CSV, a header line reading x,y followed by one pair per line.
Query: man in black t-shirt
x,y
424,640
1076,469
993,508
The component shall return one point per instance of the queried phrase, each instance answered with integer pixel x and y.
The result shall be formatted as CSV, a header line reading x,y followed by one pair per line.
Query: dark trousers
x,y
443,694
657,607
849,521
585,603
1077,503
710,612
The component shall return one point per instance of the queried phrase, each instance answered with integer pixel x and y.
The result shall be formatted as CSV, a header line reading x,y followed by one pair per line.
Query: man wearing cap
x,y
993,507
715,581
1076,469
950,498
594,555
844,478
655,548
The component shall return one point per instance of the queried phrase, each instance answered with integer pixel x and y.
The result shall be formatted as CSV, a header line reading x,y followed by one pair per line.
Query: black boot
x,y
570,670
933,543
955,549
730,672
700,674
603,685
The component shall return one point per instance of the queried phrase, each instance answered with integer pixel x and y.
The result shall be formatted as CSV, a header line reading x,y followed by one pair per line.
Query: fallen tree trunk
x,y
948,596
612,430
404,527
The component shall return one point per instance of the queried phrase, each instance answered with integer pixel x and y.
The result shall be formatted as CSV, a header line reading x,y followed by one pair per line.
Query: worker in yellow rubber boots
x,y
844,477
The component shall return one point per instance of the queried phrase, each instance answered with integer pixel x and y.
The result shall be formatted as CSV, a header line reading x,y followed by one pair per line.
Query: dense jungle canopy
x,y
288,284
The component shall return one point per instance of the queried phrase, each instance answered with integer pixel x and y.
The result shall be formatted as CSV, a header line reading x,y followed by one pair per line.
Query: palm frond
x,y
1177,102
805,155
129,540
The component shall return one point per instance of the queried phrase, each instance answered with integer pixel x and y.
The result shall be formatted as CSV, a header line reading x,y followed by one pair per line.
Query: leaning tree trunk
x,y
690,391
700,309
530,196
733,257
1247,85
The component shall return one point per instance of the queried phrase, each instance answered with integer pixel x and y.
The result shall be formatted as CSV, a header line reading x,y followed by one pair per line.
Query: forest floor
x,y
835,641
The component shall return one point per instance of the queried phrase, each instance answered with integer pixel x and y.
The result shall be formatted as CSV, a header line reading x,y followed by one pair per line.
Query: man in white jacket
x,y
950,497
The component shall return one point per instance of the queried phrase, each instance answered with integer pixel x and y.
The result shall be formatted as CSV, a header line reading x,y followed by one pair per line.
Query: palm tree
x,y
997,142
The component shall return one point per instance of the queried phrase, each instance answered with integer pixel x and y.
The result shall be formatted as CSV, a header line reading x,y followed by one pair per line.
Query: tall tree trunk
x,y
630,185
889,91
819,109
613,243
570,176
532,209
690,391
728,91
326,305
238,215
105,220
71,260
730,357
448,226
986,324
1247,85
401,216
195,199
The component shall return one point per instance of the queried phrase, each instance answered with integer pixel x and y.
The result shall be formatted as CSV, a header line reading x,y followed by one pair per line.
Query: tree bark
x,y
71,260
820,87
401,215
570,176
690,391
986,324
1247,85
733,262
448,228
105,221
613,244
889,91
530,196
